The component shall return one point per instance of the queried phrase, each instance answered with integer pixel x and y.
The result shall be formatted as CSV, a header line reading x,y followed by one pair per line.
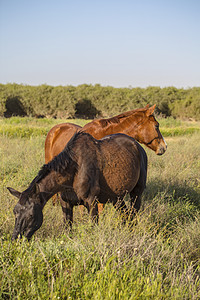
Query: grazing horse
x,y
139,124
97,170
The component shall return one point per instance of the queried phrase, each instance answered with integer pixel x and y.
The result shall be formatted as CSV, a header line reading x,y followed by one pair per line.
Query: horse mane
x,y
116,119
59,163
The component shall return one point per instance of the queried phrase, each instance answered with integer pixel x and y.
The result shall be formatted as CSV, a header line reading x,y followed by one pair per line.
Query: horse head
x,y
28,213
148,132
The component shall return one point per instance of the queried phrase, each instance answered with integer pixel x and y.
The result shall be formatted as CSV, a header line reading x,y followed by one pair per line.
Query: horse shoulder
x,y
86,179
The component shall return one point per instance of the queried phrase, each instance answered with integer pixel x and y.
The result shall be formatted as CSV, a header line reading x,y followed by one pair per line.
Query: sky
x,y
119,43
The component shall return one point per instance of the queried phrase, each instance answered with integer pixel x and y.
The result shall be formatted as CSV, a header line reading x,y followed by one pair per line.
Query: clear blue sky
x,y
136,43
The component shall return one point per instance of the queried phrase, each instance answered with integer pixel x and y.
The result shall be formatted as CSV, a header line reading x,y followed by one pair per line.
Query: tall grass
x,y
157,256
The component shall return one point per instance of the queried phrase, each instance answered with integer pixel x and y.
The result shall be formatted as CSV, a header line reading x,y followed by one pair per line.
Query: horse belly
x,y
119,177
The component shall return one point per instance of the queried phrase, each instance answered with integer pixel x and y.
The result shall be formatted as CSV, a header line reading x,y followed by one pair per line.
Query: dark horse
x,y
138,123
97,170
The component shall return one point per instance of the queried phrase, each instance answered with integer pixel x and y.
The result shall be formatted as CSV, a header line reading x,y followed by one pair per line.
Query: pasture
x,y
157,256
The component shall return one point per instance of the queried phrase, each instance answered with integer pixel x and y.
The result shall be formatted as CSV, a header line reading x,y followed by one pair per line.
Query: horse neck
x,y
53,183
130,125
127,125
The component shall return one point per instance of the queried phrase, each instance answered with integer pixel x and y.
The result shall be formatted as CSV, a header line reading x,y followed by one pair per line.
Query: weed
x,y
157,256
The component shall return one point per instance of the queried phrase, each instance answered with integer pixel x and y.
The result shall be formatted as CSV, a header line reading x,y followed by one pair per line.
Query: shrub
x,y
92,101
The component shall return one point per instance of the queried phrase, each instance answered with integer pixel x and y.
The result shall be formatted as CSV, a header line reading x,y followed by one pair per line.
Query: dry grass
x,y
155,257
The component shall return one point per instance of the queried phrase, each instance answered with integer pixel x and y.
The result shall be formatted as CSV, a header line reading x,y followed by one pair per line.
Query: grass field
x,y
30,127
156,257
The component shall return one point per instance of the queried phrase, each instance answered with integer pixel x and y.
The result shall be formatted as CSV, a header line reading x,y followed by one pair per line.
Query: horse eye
x,y
157,126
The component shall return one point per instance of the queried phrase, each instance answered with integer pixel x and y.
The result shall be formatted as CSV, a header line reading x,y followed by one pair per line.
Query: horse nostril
x,y
161,150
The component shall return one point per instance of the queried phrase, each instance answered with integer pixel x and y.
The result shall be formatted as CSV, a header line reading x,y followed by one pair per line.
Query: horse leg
x,y
90,202
100,207
92,207
81,209
67,209
136,195
55,199
87,188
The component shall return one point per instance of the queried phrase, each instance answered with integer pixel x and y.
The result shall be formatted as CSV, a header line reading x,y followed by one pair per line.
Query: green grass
x,y
179,131
156,257
175,127
31,127
28,121
170,122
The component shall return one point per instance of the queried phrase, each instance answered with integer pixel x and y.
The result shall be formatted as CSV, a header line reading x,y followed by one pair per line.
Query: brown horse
x,y
97,170
139,124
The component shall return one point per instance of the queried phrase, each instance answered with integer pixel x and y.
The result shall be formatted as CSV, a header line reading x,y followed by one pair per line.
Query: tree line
x,y
90,101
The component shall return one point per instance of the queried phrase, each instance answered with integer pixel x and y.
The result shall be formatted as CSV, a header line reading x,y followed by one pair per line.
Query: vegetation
x,y
26,127
92,101
157,256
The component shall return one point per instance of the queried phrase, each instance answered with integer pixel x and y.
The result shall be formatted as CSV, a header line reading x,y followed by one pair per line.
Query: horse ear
x,y
150,110
147,106
14,192
36,189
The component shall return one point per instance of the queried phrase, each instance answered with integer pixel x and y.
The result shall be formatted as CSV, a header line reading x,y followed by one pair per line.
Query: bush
x,y
91,101
188,107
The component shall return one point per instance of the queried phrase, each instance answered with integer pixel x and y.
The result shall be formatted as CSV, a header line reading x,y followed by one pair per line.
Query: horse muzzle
x,y
161,149
16,235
